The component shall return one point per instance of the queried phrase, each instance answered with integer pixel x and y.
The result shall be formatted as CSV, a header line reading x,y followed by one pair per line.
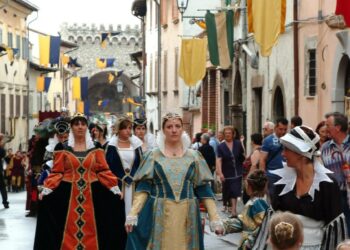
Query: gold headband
x,y
120,119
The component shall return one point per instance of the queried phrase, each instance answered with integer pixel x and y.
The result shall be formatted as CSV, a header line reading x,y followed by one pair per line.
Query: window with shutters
x,y
25,106
312,72
24,48
3,113
9,40
165,70
18,45
18,105
12,111
176,64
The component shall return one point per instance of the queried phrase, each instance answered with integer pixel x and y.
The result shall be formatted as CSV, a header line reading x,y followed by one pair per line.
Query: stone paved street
x,y
17,231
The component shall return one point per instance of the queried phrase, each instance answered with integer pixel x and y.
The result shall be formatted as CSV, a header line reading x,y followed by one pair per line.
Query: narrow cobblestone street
x,y
17,231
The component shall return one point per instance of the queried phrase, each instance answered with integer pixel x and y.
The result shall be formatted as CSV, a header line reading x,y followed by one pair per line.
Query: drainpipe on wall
x,y
159,4
296,57
28,76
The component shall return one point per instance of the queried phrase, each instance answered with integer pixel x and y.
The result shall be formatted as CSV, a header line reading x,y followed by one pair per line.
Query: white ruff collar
x,y
88,140
185,139
52,144
289,177
134,141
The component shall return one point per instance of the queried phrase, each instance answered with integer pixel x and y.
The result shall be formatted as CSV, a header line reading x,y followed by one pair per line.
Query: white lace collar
x,y
185,139
134,141
289,176
88,140
52,144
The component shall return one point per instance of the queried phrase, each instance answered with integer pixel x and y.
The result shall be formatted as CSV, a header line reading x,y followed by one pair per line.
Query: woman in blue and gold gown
x,y
170,182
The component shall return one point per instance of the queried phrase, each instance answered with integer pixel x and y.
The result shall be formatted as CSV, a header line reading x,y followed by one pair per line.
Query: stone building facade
x,y
88,38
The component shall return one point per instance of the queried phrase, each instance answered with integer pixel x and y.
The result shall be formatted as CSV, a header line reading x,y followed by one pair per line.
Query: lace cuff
x,y
215,225
131,220
46,191
115,190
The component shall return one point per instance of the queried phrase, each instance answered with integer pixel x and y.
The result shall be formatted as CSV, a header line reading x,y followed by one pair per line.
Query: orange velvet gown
x,y
80,209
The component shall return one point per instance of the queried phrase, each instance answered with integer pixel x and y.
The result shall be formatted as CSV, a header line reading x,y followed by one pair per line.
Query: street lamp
x,y
182,6
119,86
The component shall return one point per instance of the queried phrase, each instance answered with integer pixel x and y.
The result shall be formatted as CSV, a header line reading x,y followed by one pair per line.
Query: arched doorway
x,y
278,104
106,96
237,108
341,99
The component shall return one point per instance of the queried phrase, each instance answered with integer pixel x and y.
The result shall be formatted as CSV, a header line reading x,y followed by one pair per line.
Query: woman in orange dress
x,y
81,205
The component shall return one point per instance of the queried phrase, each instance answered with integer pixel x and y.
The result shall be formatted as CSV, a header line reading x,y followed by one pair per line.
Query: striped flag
x,y
103,63
49,49
43,83
80,88
104,38
220,38
47,83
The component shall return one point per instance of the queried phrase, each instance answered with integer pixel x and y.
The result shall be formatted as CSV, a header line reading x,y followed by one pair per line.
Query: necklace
x,y
173,152
120,140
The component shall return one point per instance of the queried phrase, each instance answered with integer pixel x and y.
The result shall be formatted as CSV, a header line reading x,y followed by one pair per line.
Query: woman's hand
x,y
129,228
219,231
121,196
222,178
41,196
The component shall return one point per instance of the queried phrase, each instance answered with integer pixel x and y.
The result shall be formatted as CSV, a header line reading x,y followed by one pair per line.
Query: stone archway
x,y
100,89
278,104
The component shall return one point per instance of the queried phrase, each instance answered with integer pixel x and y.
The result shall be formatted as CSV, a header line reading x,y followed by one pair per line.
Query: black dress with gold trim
x,y
81,209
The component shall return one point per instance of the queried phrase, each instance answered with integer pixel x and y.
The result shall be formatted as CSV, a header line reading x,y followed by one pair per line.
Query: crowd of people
x,y
131,190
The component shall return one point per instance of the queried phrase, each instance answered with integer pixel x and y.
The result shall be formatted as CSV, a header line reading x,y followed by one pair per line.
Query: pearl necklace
x,y
120,140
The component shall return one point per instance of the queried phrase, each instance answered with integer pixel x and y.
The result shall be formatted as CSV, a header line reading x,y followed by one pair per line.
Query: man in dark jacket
x,y
2,181
208,153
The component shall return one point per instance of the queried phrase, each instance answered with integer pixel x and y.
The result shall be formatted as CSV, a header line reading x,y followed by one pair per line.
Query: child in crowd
x,y
249,221
286,231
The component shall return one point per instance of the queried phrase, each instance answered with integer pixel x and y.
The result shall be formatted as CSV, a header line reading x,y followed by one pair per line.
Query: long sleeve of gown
x,y
104,174
138,203
212,210
56,175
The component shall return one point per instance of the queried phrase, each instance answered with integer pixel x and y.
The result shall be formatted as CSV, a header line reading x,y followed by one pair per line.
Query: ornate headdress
x,y
169,116
78,116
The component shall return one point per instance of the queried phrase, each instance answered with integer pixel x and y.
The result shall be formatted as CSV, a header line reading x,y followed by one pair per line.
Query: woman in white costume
x,y
124,155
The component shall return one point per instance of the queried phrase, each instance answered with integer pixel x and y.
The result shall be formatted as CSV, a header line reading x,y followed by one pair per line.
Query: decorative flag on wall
x,y
104,38
73,62
266,19
65,59
201,24
103,63
113,75
193,60
132,101
80,88
9,51
43,83
220,38
49,49
47,83
80,106
343,8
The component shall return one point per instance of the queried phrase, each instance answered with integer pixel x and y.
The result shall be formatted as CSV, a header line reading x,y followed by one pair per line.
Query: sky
x,y
52,13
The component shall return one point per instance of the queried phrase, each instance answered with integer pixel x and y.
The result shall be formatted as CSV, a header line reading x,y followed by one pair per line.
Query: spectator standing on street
x,y
7,173
197,141
213,141
336,156
286,231
295,121
322,131
268,128
270,156
220,136
2,181
229,168
208,153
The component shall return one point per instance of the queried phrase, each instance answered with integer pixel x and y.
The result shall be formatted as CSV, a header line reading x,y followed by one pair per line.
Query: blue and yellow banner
x,y
49,49
80,88
43,83
103,63
104,38
103,103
